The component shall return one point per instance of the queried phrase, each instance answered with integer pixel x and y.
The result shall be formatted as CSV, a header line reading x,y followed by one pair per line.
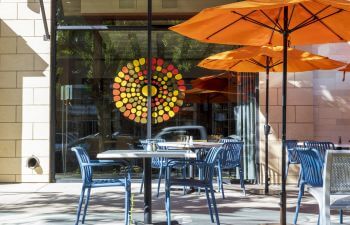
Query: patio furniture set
x,y
217,156
324,173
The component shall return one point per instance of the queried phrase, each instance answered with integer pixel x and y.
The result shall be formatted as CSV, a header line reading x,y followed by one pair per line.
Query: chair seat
x,y
337,201
106,183
189,182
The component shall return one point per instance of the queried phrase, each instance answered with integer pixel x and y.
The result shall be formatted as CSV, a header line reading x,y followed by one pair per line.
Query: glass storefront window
x,y
101,83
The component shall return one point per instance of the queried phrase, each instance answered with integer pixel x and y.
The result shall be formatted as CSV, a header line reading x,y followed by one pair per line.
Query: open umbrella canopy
x,y
272,22
197,95
261,22
257,59
220,82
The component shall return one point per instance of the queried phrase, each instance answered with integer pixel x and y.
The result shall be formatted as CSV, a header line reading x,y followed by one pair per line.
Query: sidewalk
x,y
56,203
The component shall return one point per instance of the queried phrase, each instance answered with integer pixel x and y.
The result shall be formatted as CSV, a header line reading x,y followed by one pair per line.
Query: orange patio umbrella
x,y
266,59
197,95
272,22
219,88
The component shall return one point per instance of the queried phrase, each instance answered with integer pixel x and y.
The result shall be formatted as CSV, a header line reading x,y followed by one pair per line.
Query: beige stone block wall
x,y
332,97
24,91
300,118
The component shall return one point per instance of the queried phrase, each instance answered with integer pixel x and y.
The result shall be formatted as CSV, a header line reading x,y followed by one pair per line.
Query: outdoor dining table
x,y
136,154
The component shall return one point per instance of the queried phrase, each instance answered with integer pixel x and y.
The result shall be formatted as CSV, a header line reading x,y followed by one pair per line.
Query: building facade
x,y
87,86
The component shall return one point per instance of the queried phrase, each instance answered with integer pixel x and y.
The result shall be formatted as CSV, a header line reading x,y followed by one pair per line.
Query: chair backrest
x,y
231,154
156,161
211,159
337,172
311,166
82,156
321,146
336,180
292,155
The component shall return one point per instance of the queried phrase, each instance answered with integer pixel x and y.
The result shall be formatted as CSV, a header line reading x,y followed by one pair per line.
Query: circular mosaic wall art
x,y
130,90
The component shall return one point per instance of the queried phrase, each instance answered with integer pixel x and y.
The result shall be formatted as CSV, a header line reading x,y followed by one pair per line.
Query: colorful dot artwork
x,y
130,90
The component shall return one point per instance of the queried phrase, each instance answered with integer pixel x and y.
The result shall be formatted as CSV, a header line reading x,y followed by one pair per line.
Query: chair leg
x,y
127,214
214,205
143,177
159,179
200,175
241,179
209,205
300,195
221,185
287,169
86,204
81,199
167,205
299,177
341,216
184,177
219,181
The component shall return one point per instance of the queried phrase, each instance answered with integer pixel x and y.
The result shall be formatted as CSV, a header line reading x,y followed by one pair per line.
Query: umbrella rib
x,y
291,15
230,24
247,18
273,31
276,64
239,61
269,18
310,19
253,61
317,19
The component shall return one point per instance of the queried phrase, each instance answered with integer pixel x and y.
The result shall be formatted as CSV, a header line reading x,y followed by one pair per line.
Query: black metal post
x,y
147,161
267,127
283,201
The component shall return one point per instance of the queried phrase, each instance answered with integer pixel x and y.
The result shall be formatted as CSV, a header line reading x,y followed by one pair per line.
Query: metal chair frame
x,y
158,162
206,181
293,157
230,158
311,172
86,168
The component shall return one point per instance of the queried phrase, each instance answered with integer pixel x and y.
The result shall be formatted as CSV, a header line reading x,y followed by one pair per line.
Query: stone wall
x,y
332,97
24,91
318,107
300,118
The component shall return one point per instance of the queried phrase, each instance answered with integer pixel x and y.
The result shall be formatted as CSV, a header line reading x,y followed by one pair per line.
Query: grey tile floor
x,y
56,203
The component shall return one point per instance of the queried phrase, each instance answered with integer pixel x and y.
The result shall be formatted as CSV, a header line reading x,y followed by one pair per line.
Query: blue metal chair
x,y
321,146
312,168
89,182
293,157
230,158
206,181
157,162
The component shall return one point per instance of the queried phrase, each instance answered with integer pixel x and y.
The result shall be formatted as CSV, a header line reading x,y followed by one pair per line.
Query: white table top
x,y
195,144
123,154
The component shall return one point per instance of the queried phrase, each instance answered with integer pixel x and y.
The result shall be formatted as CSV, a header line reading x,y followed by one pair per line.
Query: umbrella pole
x,y
267,127
283,200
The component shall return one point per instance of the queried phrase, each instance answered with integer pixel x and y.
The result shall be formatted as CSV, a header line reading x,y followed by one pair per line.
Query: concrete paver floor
x,y
56,203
